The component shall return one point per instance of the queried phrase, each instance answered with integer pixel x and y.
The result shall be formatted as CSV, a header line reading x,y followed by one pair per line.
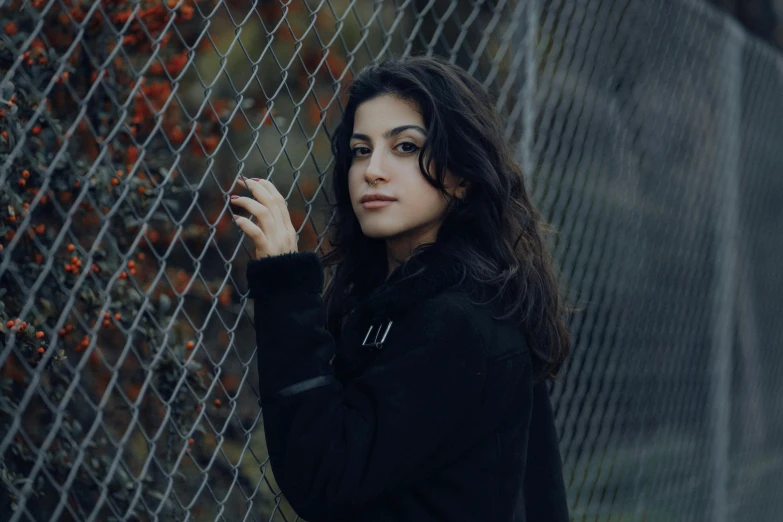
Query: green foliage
x,y
100,381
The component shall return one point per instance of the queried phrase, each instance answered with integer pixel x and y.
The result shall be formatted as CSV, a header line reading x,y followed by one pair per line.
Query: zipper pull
x,y
375,343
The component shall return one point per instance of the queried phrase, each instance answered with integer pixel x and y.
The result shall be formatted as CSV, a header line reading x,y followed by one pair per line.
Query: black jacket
x,y
442,422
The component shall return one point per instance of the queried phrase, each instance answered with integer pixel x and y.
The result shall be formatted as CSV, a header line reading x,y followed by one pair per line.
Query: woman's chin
x,y
376,232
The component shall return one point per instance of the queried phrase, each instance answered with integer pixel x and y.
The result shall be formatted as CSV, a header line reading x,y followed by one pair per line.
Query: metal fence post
x,y
529,91
727,229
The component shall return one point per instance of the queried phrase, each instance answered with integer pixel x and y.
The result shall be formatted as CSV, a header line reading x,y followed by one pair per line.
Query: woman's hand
x,y
273,234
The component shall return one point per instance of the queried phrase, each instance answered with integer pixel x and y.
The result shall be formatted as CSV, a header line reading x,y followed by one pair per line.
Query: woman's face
x,y
387,136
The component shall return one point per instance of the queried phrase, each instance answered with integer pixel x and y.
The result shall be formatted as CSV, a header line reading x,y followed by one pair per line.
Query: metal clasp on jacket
x,y
375,343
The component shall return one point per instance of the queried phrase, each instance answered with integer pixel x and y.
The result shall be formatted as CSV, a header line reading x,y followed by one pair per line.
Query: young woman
x,y
413,388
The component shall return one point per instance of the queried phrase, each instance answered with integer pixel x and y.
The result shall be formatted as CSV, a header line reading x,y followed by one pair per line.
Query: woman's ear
x,y
462,188
459,187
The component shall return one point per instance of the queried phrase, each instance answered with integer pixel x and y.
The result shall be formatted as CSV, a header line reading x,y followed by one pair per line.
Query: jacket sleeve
x,y
544,484
334,448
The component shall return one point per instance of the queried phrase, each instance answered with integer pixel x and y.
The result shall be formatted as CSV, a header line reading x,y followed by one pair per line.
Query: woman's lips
x,y
376,204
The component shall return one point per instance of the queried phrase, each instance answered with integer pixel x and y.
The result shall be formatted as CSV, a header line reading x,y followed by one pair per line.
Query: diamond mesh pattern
x,y
650,135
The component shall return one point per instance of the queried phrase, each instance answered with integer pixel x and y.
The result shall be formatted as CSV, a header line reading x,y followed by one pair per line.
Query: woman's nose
x,y
375,166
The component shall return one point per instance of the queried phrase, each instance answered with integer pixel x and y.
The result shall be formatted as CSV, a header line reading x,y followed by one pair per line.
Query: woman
x,y
414,389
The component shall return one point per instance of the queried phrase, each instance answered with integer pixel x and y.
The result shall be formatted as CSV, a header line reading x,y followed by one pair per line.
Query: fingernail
x,y
256,179
234,196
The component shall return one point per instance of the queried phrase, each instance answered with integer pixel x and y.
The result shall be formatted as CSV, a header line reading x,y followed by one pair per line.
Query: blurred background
x,y
650,135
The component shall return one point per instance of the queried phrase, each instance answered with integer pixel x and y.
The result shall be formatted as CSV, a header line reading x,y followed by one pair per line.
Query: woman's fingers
x,y
255,233
263,195
274,234
273,199
267,221
282,206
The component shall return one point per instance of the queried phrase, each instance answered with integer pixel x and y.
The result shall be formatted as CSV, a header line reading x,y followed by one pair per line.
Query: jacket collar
x,y
418,278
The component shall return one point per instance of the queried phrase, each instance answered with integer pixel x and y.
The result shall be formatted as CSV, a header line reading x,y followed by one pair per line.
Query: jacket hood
x,y
421,276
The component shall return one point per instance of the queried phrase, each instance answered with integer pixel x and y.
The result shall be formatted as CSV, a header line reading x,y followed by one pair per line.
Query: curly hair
x,y
496,231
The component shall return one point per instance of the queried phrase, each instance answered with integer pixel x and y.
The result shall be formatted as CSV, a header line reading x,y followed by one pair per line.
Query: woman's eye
x,y
412,147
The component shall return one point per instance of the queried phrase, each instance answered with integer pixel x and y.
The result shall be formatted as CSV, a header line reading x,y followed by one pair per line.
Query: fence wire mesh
x,y
650,133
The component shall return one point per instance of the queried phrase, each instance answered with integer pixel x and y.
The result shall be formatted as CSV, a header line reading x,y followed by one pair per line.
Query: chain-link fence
x,y
651,136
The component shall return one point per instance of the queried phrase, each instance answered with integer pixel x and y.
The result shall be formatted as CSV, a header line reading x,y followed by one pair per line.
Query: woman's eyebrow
x,y
389,133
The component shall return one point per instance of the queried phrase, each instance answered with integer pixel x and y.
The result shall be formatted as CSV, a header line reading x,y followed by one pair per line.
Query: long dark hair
x,y
495,229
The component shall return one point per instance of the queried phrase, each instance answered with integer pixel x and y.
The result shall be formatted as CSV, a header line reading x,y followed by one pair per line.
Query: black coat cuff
x,y
285,273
